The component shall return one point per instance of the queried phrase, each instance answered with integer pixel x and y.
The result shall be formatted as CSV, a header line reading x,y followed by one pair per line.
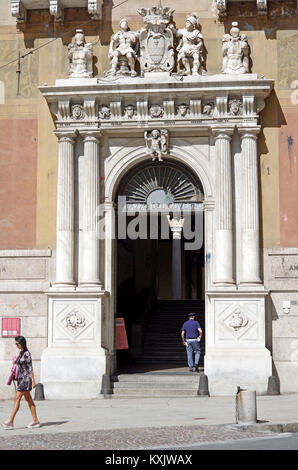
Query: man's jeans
x,y
193,348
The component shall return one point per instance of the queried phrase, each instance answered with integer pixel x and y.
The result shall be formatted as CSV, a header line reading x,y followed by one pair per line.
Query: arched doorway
x,y
160,269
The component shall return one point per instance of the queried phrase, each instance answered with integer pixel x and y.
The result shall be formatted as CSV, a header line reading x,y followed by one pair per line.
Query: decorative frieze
x,y
196,111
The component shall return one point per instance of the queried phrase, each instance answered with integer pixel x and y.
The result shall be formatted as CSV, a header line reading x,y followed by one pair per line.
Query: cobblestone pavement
x,y
124,439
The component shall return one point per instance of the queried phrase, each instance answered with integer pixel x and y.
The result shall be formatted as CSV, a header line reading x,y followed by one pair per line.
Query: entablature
x,y
145,103
56,8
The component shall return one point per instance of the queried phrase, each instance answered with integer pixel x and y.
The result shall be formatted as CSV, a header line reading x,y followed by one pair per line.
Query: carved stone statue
x,y
80,55
190,47
235,50
123,50
157,143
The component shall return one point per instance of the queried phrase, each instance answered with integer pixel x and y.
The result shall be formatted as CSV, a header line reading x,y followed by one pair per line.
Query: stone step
x,y
158,377
182,385
149,393
156,360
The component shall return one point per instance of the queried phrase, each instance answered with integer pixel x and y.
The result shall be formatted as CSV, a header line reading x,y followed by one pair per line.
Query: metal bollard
x,y
39,392
203,390
106,388
273,387
246,406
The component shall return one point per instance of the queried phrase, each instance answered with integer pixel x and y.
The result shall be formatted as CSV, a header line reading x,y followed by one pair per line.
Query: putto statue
x,y
235,50
157,143
80,55
123,51
191,46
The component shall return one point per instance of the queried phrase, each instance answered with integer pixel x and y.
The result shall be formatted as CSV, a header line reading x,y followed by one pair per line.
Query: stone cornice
x,y
137,103
56,8
262,6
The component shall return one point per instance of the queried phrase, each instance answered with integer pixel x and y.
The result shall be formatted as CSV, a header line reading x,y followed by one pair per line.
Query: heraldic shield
x,y
157,40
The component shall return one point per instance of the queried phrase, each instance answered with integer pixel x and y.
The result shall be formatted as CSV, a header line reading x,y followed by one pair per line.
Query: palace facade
x,y
149,159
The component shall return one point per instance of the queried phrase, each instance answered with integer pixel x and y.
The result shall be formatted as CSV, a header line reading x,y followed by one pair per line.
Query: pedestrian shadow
x,y
53,423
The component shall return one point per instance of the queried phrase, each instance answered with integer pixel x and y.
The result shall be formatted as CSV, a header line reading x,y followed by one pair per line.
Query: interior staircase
x,y
162,369
162,337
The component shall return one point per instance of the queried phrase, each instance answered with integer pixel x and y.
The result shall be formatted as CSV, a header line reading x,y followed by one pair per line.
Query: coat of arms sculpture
x,y
157,40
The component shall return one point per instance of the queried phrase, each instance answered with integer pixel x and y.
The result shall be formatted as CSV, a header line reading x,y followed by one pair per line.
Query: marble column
x,y
176,225
250,207
65,211
224,261
89,264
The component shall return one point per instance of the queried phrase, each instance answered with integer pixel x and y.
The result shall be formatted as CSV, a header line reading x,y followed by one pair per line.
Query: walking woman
x,y
25,382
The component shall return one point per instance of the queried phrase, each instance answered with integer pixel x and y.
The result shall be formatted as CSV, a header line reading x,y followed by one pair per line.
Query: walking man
x,y
193,332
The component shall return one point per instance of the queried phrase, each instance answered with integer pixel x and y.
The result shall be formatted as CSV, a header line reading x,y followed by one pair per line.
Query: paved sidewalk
x,y
133,423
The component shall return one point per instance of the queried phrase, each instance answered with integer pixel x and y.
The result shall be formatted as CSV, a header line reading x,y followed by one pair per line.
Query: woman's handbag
x,y
13,373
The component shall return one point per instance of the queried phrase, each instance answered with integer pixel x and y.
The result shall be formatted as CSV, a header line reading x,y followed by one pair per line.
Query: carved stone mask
x,y
234,107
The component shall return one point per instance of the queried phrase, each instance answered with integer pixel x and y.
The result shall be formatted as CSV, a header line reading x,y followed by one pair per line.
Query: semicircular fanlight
x,y
167,180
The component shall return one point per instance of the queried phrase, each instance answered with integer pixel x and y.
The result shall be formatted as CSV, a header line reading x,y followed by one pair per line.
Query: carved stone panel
x,y
74,321
237,322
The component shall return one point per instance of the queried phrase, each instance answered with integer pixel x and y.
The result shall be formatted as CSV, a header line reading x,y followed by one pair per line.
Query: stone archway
x,y
158,263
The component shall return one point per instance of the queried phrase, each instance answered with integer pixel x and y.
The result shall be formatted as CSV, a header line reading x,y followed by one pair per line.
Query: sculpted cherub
x,y
157,143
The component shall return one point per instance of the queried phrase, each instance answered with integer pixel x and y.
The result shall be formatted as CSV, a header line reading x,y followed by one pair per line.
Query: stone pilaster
x,y
65,211
250,258
224,273
89,264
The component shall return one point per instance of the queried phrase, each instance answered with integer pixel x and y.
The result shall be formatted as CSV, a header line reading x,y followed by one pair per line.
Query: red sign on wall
x,y
121,336
10,327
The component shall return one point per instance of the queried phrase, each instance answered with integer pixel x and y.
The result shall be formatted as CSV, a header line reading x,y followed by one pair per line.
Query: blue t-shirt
x,y
191,329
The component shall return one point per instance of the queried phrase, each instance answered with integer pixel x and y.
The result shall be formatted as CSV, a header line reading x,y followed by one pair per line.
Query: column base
x,y
228,369
68,374
73,364
235,342
93,285
251,283
225,282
